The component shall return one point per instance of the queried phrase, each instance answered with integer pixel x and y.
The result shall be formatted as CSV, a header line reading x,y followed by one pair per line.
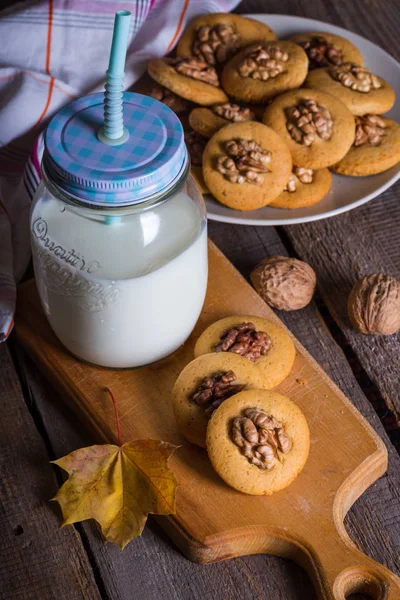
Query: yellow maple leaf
x,y
118,486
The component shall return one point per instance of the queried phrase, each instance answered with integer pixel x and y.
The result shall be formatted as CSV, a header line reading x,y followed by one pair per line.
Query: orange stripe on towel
x,y
179,27
2,206
9,329
49,32
48,56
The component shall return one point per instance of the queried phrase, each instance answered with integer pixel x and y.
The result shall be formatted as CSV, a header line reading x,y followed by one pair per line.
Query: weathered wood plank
x,y
344,248
38,560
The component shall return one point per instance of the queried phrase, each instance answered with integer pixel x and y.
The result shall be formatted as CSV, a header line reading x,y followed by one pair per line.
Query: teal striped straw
x,y
113,132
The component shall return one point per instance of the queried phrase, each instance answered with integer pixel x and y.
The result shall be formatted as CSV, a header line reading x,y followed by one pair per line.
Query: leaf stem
x,y
116,414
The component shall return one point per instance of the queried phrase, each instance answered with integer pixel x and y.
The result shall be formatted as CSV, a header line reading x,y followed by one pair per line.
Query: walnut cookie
x,y
317,128
258,441
208,121
376,147
268,345
262,71
215,37
191,78
304,188
246,165
359,89
204,384
325,49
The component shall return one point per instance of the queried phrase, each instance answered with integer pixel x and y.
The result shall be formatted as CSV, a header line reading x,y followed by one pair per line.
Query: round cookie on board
x,y
332,131
226,176
278,432
275,365
192,417
249,78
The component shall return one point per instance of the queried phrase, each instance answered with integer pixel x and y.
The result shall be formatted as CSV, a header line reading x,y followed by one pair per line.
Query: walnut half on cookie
x,y
246,165
258,441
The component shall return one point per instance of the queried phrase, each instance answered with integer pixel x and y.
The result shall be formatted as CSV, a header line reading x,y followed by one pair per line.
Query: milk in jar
x,y
120,252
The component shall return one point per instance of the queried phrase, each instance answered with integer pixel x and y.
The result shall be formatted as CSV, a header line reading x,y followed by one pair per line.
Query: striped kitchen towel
x,y
51,52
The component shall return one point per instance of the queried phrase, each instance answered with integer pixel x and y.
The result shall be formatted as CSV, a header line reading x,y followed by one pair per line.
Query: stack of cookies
x,y
257,440
267,119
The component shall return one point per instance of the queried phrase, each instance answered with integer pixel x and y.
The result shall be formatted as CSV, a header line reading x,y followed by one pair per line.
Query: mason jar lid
x,y
147,164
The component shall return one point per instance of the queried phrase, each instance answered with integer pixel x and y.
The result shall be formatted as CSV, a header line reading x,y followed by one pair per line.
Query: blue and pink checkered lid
x,y
145,166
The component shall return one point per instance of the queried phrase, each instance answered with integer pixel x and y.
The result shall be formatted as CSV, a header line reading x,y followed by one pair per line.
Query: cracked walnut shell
x,y
374,305
284,283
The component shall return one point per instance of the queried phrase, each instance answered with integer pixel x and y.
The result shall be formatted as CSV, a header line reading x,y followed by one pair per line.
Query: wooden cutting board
x,y
214,522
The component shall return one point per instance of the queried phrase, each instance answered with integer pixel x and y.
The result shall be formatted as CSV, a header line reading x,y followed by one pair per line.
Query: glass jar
x,y
121,285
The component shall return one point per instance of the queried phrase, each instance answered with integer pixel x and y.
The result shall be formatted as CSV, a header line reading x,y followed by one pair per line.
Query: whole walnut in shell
x,y
374,304
284,283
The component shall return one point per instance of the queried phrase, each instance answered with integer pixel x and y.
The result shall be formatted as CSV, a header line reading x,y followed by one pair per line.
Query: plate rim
x,y
263,17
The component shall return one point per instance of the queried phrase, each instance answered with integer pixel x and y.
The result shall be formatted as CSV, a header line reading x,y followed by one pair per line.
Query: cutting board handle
x,y
339,569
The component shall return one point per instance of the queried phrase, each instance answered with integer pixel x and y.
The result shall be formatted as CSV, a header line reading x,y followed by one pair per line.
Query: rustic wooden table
x,y
40,561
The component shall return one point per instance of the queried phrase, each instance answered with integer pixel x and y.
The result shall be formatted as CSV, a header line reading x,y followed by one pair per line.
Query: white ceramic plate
x,y
346,192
